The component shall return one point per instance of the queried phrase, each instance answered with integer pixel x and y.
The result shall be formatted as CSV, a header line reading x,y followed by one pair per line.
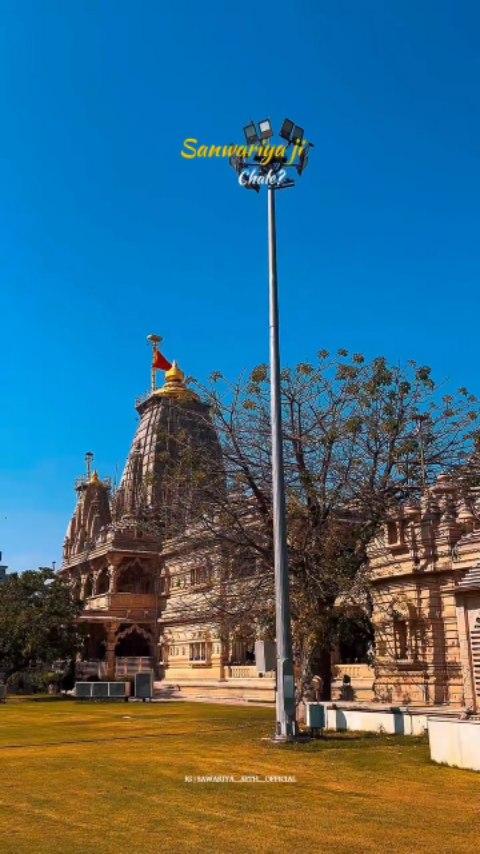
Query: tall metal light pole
x,y
275,175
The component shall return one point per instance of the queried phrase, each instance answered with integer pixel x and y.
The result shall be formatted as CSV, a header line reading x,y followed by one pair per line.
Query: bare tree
x,y
354,448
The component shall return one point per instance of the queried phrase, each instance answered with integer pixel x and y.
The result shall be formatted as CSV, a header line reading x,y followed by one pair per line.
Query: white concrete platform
x,y
455,742
379,718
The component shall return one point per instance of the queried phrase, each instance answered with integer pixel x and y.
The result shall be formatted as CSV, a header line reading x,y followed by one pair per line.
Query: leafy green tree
x,y
37,622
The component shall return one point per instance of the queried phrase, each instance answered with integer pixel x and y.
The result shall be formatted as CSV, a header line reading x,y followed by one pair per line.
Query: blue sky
x,y
107,233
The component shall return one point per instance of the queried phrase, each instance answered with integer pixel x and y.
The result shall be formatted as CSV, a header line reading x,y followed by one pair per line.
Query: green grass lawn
x,y
111,777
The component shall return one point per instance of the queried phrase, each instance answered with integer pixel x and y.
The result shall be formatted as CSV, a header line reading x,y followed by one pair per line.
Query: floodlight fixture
x,y
297,134
286,130
266,130
251,134
303,163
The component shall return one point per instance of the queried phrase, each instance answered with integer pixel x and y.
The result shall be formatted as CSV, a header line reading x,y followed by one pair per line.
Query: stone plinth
x,y
455,742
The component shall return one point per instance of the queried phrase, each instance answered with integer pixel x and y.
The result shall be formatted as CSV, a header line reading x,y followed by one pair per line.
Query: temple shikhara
x,y
144,592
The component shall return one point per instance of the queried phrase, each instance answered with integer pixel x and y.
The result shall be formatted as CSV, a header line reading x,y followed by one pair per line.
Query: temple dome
x,y
175,440
175,385
92,514
174,461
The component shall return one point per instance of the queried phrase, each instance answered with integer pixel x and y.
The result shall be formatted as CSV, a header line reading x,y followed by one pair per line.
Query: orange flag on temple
x,y
161,362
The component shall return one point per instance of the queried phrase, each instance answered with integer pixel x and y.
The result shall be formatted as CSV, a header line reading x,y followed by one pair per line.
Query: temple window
x,y
392,534
381,648
401,638
198,575
198,651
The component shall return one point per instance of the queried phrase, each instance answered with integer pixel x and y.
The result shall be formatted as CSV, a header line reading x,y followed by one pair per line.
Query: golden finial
x,y
175,374
95,478
175,385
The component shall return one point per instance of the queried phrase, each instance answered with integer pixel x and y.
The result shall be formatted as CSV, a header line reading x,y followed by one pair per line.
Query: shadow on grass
x,y
37,698
344,740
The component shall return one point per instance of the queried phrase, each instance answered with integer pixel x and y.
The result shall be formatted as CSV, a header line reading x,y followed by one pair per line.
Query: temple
x,y
425,582
133,558
424,578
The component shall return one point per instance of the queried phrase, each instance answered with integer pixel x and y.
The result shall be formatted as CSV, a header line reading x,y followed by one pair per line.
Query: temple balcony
x,y
124,605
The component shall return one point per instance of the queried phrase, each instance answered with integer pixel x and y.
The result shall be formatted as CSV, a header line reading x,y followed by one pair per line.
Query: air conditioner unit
x,y
144,685
83,690
118,690
102,690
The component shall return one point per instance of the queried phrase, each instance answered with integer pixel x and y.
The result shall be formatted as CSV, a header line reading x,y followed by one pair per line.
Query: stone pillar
x,y
114,561
223,640
95,582
110,651
465,657
112,578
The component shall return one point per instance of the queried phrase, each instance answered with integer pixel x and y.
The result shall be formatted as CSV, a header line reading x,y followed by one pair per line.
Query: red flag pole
x,y
154,340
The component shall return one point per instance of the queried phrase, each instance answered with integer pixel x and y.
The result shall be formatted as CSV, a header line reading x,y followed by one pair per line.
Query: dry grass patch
x,y
104,777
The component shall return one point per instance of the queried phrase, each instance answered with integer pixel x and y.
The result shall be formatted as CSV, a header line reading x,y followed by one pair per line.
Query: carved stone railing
x,y
355,671
359,686
130,665
124,666
242,671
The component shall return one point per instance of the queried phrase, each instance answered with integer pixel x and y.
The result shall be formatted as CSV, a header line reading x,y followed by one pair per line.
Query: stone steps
x,y
260,691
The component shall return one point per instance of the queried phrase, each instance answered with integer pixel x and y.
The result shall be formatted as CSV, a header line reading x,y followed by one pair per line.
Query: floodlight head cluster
x,y
251,135
292,132
254,134
259,134
263,130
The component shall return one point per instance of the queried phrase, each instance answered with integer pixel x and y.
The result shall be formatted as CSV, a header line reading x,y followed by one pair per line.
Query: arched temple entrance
x,y
133,651
132,643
